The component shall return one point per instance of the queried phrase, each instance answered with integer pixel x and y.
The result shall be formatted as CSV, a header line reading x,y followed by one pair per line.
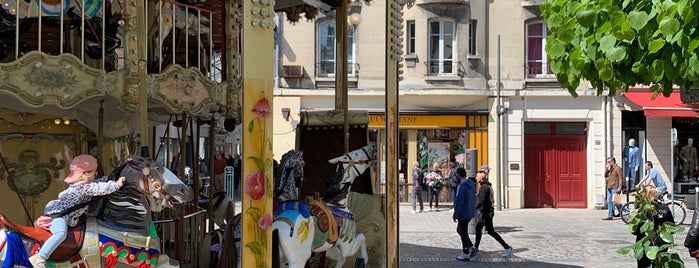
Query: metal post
x,y
498,166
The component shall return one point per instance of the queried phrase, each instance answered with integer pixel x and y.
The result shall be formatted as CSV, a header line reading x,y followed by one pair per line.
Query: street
x,y
540,238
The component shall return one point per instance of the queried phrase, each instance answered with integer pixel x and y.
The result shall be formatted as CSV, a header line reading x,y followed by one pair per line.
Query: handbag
x,y
616,198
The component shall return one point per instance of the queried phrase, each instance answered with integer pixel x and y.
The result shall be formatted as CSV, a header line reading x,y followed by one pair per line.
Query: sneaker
x,y
37,261
430,209
436,209
462,257
421,211
413,212
507,253
472,253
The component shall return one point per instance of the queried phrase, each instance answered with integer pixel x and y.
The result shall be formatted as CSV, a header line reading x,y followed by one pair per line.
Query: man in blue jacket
x,y
464,211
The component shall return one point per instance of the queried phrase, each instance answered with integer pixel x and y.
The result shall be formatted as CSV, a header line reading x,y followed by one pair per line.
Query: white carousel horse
x,y
122,233
288,177
319,226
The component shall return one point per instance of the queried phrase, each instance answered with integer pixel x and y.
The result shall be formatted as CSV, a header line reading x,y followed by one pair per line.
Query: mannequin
x,y
676,160
631,162
688,155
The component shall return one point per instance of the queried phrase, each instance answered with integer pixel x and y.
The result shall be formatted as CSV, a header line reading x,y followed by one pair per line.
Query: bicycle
x,y
679,209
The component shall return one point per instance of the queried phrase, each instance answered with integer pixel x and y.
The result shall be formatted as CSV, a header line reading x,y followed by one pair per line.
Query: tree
x,y
618,44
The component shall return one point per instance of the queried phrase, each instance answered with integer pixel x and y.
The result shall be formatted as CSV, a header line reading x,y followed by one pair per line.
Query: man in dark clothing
x,y
485,207
236,171
691,241
464,210
418,185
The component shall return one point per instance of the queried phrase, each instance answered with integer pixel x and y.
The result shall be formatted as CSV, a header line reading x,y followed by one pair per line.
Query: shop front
x,y
433,138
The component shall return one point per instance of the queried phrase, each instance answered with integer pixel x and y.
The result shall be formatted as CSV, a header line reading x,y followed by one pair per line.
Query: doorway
x,y
555,165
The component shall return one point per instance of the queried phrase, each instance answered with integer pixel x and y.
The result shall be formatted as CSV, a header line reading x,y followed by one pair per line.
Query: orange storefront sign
x,y
421,121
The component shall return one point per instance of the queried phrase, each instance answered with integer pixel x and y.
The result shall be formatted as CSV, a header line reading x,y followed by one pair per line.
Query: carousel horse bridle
x,y
351,162
148,181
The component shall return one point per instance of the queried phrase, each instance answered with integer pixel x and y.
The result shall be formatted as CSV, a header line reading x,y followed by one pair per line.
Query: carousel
x,y
113,78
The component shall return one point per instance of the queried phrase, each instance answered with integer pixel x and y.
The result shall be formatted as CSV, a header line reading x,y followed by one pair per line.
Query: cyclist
x,y
654,178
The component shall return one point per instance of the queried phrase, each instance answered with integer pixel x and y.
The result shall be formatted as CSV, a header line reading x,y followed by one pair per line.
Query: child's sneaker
x,y
37,261
462,257
507,253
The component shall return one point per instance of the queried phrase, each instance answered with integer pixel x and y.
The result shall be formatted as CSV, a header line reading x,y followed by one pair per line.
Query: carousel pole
x,y
394,52
257,179
341,94
100,133
183,161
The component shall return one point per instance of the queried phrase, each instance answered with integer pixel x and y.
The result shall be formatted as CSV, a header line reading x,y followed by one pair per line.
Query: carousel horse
x,y
317,226
288,177
122,233
184,19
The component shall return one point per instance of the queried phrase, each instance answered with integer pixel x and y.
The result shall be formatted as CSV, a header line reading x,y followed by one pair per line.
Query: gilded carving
x,y
333,117
184,90
38,79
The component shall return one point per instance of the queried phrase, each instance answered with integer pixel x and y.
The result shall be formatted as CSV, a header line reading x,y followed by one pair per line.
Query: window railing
x,y
539,70
327,68
444,67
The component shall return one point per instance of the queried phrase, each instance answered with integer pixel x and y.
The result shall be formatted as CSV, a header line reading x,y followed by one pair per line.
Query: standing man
x,y
236,171
654,178
464,210
614,178
485,205
219,169
418,185
688,154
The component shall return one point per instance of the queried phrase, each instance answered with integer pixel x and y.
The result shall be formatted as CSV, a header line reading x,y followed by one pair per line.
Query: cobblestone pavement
x,y
540,237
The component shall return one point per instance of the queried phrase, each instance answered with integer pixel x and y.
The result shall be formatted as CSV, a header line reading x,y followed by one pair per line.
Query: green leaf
x,y
669,26
254,212
638,19
607,42
616,54
652,252
259,163
606,74
251,126
255,247
586,18
655,45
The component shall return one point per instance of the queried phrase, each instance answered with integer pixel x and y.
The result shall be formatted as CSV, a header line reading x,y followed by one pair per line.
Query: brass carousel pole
x,y
394,52
341,95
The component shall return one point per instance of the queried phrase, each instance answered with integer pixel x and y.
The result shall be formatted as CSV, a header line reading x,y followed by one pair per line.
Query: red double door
x,y
555,171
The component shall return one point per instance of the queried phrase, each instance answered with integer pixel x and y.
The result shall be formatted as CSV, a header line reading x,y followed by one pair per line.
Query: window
x,y
537,65
472,38
441,53
410,42
326,49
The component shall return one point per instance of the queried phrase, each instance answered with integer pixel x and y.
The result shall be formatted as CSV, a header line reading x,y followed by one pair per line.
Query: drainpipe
x,y
608,125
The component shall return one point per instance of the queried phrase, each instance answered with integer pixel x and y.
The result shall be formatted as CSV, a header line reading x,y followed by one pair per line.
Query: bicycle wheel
x,y
626,210
678,212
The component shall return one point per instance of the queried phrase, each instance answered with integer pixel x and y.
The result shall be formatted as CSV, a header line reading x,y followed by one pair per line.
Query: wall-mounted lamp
x,y
286,112
355,19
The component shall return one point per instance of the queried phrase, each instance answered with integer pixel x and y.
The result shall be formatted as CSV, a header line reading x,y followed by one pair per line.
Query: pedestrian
x,y
434,182
486,170
654,178
72,203
614,180
236,171
691,241
219,169
485,208
418,186
659,216
464,211
453,181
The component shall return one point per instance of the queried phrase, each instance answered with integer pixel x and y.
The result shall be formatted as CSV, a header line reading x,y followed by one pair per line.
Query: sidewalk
x,y
540,238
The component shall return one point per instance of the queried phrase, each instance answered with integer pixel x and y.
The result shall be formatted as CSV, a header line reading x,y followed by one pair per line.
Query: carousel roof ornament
x,y
310,8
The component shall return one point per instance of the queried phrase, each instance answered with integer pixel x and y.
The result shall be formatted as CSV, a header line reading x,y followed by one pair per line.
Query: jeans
x,y
488,223
417,195
59,232
462,230
610,203
433,194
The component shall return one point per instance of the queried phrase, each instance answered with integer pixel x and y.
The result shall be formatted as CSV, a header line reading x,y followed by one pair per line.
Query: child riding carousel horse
x,y
72,203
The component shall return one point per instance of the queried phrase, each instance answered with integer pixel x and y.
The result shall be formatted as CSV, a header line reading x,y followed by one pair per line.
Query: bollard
x,y
696,197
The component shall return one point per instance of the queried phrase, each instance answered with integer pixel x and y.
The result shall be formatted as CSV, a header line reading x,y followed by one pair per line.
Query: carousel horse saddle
x,y
66,251
326,219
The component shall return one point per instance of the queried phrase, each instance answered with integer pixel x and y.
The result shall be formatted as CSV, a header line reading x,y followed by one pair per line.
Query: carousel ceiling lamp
x,y
57,121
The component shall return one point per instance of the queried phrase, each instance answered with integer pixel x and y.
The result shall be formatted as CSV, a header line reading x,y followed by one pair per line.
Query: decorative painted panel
x,y
184,90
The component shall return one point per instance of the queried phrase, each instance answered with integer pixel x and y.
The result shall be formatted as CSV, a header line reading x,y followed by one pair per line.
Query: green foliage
x,y
655,241
423,152
619,44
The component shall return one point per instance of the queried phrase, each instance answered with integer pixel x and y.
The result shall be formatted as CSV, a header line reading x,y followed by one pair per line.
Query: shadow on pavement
x,y
413,256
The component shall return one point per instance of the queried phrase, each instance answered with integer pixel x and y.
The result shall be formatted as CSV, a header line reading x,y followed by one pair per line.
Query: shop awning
x,y
659,105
